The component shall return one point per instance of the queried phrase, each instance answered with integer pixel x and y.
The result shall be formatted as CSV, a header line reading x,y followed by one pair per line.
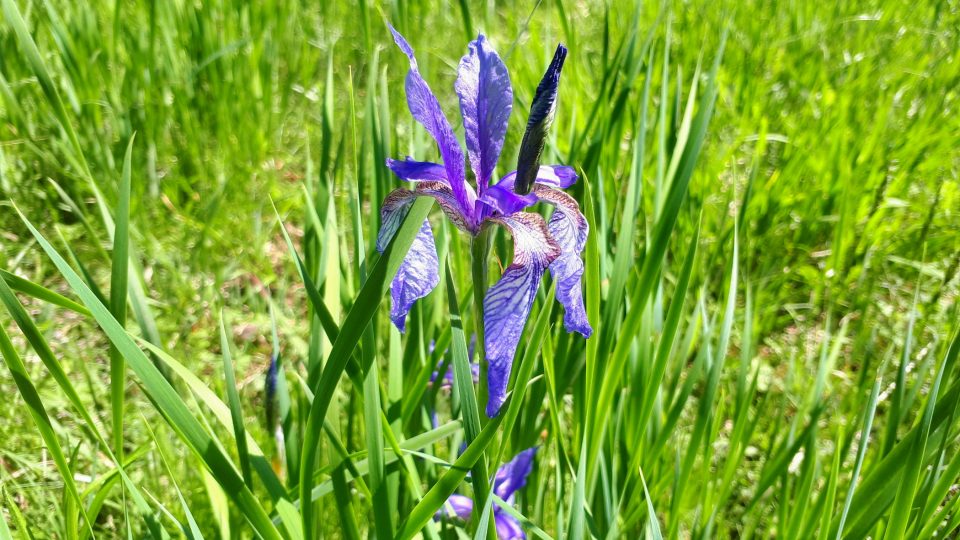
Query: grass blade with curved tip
x,y
40,292
363,310
164,397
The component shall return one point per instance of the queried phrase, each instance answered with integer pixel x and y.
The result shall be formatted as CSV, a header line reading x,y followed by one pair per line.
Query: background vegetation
x,y
772,271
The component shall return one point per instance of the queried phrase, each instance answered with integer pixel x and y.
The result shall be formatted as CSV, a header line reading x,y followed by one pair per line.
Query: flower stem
x,y
480,252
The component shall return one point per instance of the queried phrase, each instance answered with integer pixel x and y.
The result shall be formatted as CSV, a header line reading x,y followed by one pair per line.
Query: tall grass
x,y
771,274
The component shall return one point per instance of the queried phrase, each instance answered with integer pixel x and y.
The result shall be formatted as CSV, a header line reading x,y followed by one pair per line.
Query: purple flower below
x,y
486,99
509,478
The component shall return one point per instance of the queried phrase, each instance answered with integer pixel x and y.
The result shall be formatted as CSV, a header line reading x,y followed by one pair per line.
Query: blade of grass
x,y
903,503
233,398
469,413
438,494
38,412
118,300
363,310
164,396
40,292
861,453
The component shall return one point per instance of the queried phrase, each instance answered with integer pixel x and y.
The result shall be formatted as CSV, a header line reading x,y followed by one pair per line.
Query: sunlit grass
x,y
771,273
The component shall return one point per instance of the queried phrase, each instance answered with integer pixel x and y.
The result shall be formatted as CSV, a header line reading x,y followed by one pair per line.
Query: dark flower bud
x,y
541,116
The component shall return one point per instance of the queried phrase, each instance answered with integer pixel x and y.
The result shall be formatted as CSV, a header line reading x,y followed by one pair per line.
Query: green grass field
x,y
189,189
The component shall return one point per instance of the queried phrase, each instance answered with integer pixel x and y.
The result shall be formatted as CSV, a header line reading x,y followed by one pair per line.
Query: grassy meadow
x,y
189,208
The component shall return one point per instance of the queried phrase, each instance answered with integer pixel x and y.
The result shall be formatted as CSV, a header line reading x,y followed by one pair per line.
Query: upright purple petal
x,y
418,171
426,109
507,304
486,98
569,228
512,475
508,528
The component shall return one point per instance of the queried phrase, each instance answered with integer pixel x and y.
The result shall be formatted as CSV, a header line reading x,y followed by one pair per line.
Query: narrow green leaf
x,y
118,300
39,292
38,412
233,398
164,396
363,310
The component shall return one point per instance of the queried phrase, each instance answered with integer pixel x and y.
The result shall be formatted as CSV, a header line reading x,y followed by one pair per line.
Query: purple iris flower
x,y
510,477
486,99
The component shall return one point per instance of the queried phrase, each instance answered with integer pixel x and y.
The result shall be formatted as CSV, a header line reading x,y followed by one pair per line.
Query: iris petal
x,y
426,109
419,272
501,197
569,228
486,99
460,505
507,304
418,171
512,475
508,528
558,176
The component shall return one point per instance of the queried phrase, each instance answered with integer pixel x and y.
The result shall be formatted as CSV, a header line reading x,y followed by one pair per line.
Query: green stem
x,y
480,253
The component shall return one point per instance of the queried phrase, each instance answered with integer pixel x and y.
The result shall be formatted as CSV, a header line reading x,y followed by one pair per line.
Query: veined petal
x,y
457,505
418,171
569,228
541,116
419,272
486,99
507,304
426,109
508,528
394,208
512,475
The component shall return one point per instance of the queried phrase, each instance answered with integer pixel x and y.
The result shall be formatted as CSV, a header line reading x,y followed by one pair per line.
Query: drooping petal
x,y
457,505
569,228
419,272
426,109
508,528
507,304
486,98
541,116
418,171
512,475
